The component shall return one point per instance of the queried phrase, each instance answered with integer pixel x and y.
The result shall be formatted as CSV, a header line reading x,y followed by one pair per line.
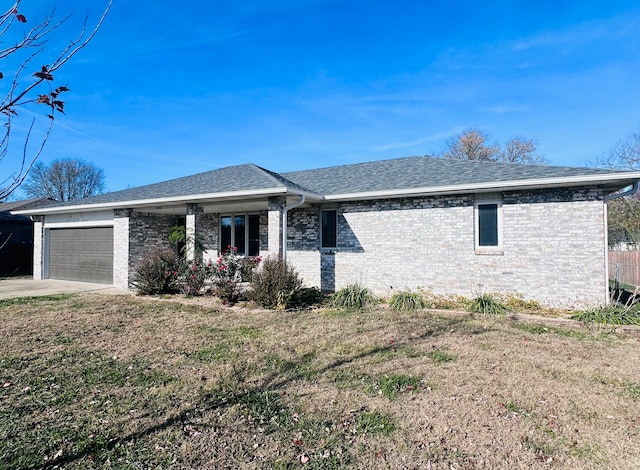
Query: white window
x,y
241,231
488,225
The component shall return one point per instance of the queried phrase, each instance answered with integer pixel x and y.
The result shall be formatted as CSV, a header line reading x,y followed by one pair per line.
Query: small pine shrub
x,y
353,297
407,301
275,285
486,304
158,273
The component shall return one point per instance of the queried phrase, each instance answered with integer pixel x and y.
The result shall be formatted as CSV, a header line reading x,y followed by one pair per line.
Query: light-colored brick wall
x,y
38,248
554,247
121,248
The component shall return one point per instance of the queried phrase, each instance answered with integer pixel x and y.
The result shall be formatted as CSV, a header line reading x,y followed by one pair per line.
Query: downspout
x,y
286,209
632,190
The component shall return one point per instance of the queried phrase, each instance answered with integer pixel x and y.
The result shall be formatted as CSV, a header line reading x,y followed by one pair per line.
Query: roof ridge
x,y
282,180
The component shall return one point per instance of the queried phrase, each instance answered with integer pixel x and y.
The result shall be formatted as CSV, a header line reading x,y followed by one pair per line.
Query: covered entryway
x,y
81,254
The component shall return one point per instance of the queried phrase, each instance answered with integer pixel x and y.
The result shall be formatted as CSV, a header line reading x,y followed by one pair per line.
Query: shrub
x,y
487,305
228,272
407,301
275,284
353,296
193,277
158,273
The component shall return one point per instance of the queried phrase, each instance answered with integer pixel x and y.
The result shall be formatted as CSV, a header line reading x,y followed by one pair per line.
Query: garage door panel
x,y
81,254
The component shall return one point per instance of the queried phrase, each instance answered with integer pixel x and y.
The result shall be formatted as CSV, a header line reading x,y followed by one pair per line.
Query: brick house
x,y
452,226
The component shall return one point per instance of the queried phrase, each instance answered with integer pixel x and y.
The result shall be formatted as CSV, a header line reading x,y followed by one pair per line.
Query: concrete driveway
x,y
10,288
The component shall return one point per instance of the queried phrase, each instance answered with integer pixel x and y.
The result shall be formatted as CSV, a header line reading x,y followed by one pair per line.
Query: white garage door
x,y
81,254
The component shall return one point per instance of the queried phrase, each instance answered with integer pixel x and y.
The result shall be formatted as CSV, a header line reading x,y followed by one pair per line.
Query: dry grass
x,y
95,381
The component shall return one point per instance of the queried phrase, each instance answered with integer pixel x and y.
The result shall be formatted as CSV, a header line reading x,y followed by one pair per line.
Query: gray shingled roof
x,y
229,179
424,172
384,175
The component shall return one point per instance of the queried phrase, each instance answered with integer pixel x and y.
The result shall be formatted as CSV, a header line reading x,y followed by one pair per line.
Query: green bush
x,y
159,273
407,301
486,304
610,315
353,296
276,284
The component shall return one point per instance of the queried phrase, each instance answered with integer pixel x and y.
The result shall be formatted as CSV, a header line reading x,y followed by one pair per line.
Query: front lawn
x,y
94,381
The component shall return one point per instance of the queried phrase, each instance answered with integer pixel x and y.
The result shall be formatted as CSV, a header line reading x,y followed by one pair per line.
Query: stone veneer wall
x,y
147,232
554,248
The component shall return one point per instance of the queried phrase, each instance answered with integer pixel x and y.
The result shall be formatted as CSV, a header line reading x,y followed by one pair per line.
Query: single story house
x,y
451,226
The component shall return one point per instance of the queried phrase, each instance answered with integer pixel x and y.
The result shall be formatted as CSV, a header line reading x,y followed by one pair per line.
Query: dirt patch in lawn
x,y
94,381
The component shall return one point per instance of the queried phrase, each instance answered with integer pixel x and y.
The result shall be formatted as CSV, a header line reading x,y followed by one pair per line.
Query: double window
x,y
488,225
241,231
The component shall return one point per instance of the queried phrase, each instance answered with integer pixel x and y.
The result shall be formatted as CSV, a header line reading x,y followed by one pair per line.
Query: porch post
x,y
191,226
276,204
38,247
121,247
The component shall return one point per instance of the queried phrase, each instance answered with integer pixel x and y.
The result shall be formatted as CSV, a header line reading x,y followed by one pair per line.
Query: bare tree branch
x,y
33,42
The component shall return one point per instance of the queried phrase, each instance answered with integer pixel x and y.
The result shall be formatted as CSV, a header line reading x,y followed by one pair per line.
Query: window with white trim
x,y
329,228
241,231
488,225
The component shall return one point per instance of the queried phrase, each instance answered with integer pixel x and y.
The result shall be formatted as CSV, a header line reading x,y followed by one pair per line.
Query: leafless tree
x,y
624,154
64,179
20,47
473,144
624,213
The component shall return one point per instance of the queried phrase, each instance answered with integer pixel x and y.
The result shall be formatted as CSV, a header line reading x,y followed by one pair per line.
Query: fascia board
x,y
155,201
622,178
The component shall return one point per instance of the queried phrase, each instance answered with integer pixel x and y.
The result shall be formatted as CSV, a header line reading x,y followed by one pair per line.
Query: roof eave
x,y
615,181
163,201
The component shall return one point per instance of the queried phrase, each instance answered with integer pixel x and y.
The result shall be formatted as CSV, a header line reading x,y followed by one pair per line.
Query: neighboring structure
x,y
452,226
16,238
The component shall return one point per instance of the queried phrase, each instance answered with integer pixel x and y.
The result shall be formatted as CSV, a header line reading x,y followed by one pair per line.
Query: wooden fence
x,y
624,267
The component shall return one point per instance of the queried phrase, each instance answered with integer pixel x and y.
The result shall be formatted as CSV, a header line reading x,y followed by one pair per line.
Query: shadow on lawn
x,y
221,398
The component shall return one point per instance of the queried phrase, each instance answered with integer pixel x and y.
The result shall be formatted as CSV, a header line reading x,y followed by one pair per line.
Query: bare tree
x,y
521,150
473,144
624,213
20,47
624,154
64,179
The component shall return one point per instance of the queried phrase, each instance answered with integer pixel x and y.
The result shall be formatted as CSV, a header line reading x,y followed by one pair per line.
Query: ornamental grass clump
x,y
610,315
486,304
353,297
407,301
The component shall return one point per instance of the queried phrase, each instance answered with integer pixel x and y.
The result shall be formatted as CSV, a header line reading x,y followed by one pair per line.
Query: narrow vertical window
x,y
328,231
225,233
254,235
488,225
240,234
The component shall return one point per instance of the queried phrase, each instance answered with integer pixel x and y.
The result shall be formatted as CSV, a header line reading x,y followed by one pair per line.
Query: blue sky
x,y
166,91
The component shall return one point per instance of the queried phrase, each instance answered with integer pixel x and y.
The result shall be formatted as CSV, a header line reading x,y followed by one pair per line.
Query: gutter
x,y
285,210
628,192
